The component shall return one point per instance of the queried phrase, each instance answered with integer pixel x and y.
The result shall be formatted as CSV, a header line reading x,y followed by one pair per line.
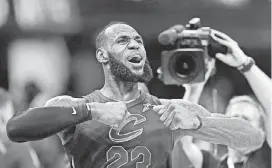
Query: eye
x,y
139,41
122,40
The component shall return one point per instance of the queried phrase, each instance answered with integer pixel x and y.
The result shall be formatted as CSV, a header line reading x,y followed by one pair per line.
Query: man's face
x,y
247,111
127,55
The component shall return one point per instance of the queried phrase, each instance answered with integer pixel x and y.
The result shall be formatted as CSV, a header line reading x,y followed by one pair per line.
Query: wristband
x,y
89,112
85,110
200,123
246,66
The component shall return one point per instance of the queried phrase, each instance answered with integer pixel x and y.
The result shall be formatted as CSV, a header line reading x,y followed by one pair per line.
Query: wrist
x,y
241,59
89,115
84,110
247,65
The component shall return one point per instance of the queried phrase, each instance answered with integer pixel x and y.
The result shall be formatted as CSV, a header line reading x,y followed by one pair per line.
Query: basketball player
x,y
121,126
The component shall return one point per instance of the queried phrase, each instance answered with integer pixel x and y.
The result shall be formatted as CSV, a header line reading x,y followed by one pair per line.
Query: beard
x,y
123,73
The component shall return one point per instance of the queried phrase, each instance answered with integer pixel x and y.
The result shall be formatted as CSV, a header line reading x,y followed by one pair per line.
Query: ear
x,y
102,55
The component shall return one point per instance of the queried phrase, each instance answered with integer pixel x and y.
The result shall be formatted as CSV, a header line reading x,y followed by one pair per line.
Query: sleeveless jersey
x,y
143,142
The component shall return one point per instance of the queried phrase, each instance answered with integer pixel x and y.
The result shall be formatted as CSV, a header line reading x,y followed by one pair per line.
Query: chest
x,y
143,126
142,139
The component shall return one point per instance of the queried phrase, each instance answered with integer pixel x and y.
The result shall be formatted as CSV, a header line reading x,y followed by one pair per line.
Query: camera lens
x,y
184,65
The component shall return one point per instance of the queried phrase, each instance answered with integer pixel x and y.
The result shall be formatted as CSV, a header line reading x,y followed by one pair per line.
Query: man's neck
x,y
120,91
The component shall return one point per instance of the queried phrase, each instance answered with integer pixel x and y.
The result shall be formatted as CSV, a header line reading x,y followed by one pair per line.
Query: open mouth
x,y
135,59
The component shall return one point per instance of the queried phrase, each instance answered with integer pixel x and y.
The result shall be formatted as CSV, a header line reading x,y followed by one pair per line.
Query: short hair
x,y
251,100
101,37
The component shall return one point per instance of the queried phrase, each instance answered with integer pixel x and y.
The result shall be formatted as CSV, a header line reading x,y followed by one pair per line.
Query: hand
x,y
175,116
110,113
235,57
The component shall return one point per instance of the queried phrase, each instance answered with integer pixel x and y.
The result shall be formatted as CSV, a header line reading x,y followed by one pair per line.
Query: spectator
x,y
247,107
244,107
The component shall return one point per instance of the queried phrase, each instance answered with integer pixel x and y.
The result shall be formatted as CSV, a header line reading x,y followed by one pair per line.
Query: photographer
x,y
244,107
247,107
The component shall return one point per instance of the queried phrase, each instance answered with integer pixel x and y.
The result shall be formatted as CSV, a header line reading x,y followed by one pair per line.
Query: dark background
x,y
249,25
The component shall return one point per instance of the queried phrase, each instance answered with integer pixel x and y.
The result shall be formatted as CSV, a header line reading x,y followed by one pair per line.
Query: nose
x,y
133,44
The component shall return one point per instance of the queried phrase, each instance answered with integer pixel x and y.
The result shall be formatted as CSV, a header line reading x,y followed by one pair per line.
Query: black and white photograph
x,y
135,84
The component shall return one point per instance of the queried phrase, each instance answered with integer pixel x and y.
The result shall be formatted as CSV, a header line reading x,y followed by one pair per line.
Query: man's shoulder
x,y
64,100
264,151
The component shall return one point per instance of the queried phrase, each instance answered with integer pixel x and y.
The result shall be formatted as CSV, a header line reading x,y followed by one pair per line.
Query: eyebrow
x,y
126,36
138,37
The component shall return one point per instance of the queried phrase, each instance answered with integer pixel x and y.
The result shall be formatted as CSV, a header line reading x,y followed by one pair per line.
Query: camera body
x,y
186,64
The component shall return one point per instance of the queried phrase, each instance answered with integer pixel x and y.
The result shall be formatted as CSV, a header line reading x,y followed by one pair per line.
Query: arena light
x,y
134,0
4,12
43,62
141,1
233,3
29,13
47,15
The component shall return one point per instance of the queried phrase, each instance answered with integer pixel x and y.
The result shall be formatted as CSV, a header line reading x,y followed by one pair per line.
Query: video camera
x,y
186,64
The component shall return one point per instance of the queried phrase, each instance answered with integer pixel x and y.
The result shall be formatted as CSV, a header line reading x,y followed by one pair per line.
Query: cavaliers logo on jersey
x,y
116,136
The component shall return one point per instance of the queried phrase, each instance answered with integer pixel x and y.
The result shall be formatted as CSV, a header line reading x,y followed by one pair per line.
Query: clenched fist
x,y
175,116
110,113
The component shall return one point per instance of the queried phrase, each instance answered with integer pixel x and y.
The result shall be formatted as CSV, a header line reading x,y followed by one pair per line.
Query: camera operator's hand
x,y
235,57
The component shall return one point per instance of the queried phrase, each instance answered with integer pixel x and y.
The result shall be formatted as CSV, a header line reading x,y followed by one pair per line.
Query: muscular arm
x,y
258,80
39,123
220,129
262,88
